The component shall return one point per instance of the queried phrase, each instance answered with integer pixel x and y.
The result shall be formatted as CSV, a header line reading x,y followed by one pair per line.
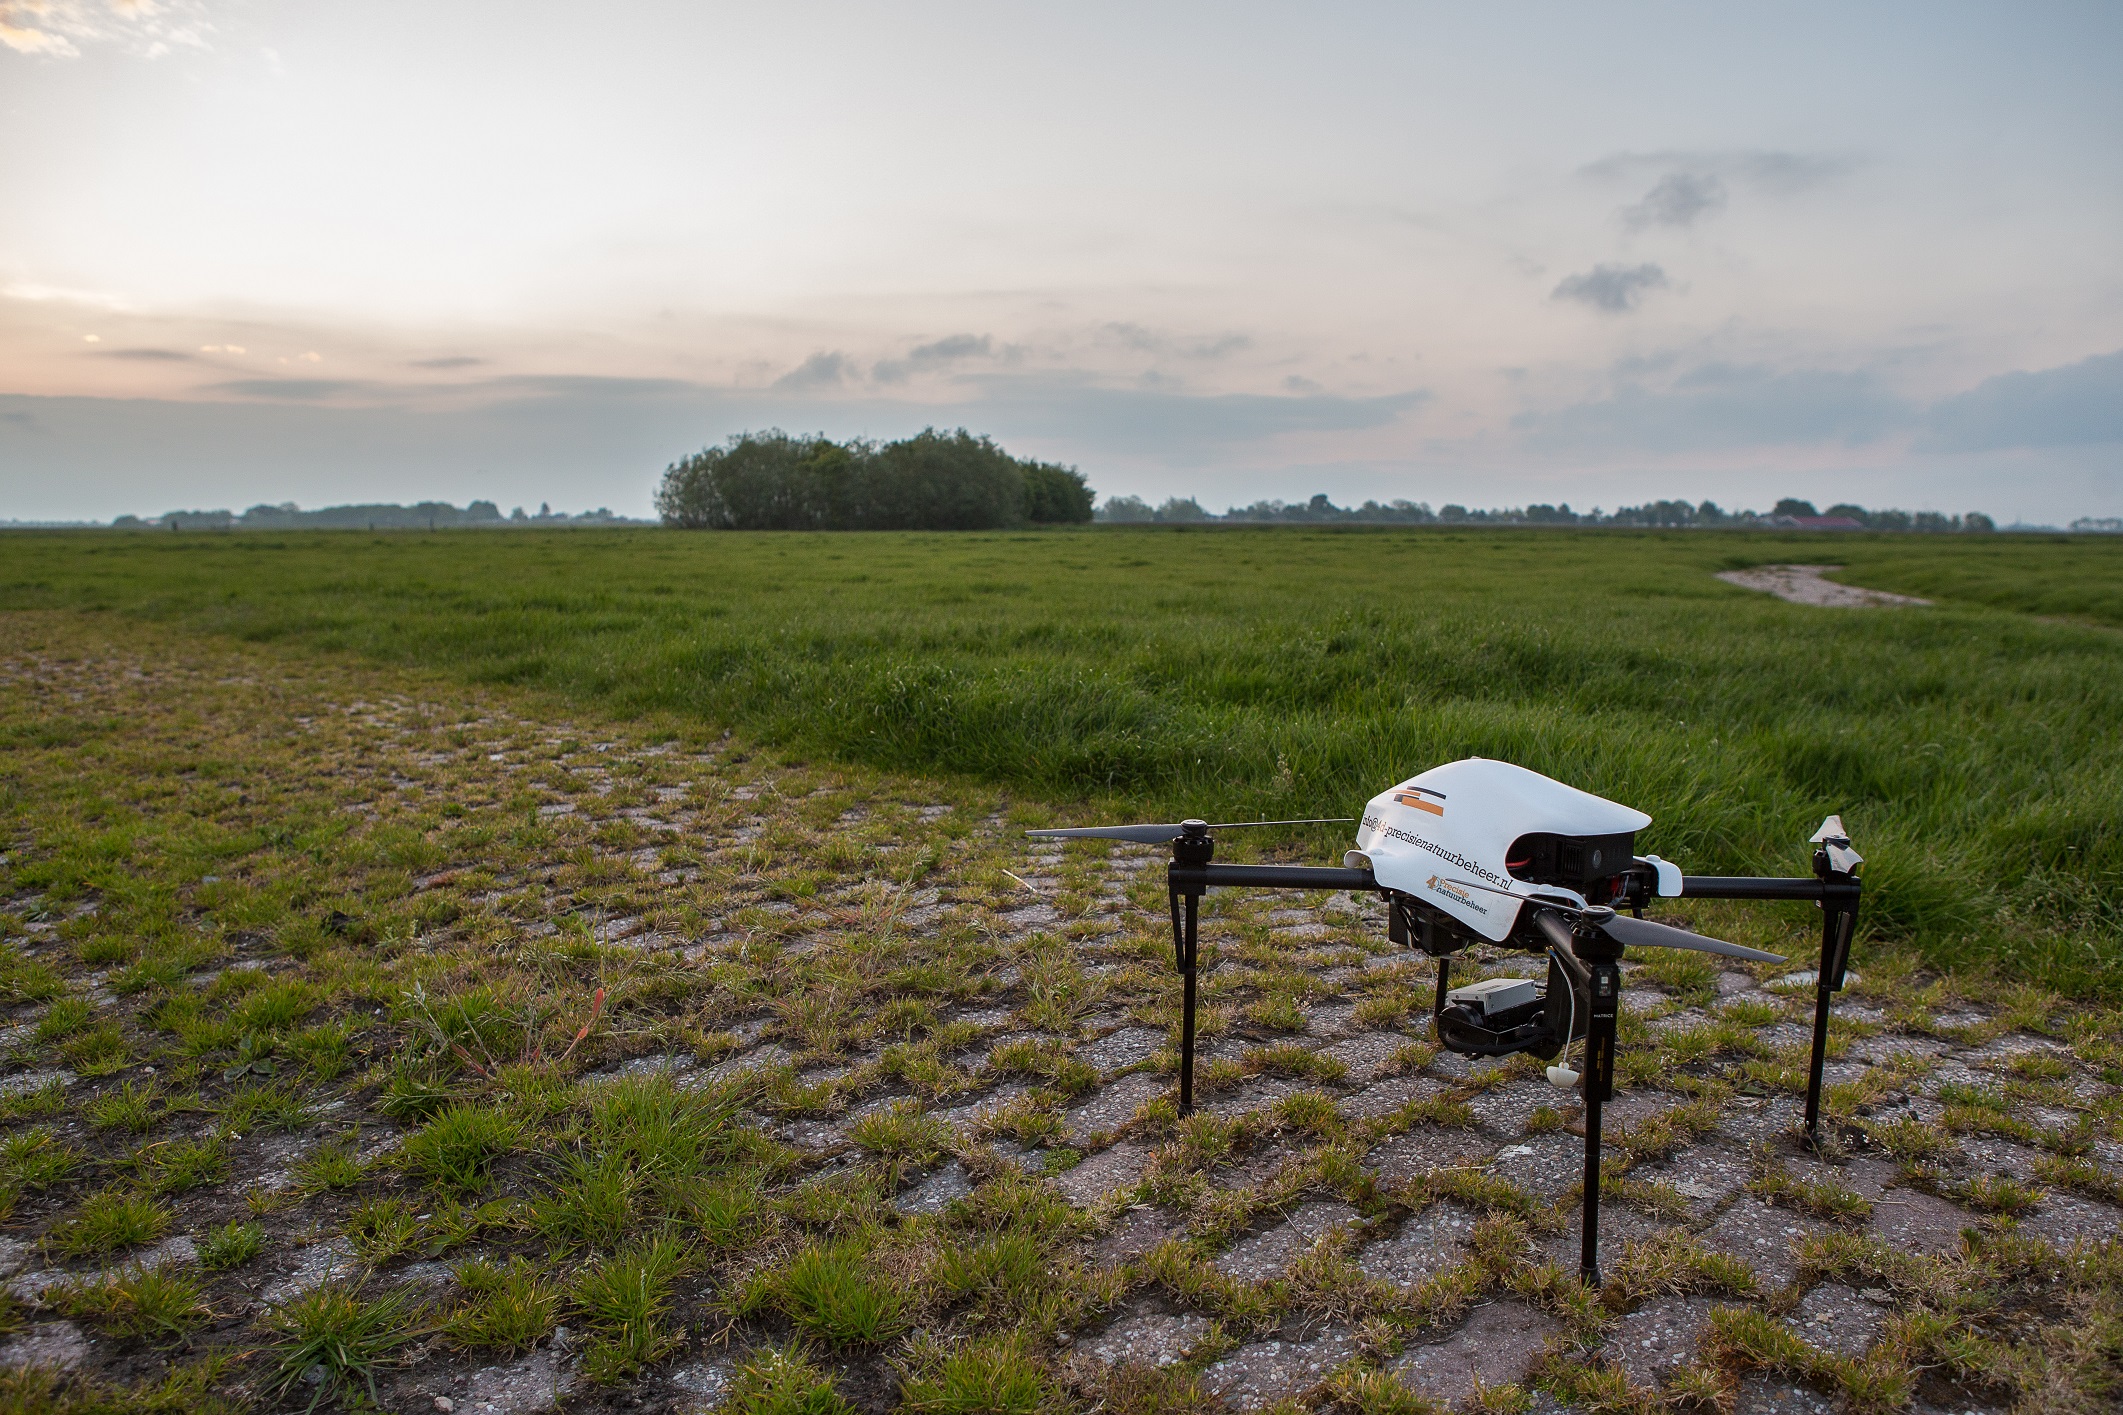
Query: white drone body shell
x,y
1453,825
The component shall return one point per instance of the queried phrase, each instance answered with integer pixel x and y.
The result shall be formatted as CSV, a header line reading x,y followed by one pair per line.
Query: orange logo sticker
x,y
1410,798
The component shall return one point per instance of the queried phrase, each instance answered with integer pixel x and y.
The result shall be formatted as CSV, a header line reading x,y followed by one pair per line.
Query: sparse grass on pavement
x,y
453,1042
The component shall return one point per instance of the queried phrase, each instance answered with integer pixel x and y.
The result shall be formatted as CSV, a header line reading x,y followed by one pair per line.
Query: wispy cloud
x,y
1150,341
1779,173
1616,289
145,356
936,354
822,370
58,29
1679,199
448,361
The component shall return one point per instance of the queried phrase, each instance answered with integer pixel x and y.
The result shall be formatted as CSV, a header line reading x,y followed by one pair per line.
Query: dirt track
x,y
1803,584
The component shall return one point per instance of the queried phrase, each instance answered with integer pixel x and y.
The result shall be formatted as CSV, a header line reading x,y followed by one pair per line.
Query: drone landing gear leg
x,y
1605,990
1837,925
1184,910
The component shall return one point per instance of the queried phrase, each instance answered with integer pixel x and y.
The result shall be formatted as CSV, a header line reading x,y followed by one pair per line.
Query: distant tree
x,y
1125,510
935,481
482,511
1792,506
1178,509
1978,523
1056,495
932,481
767,481
1452,513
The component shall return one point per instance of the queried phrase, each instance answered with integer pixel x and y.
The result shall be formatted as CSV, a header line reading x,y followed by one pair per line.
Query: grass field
x,y
370,1035
1973,748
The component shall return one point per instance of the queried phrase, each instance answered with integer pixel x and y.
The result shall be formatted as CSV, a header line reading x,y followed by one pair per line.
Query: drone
x,y
1486,852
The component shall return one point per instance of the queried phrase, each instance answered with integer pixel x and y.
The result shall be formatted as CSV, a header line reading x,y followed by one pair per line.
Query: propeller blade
x,y
1323,820
1644,933
1140,834
1160,834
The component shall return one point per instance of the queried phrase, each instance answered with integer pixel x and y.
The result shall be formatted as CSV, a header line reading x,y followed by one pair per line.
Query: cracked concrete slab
x,y
1496,1346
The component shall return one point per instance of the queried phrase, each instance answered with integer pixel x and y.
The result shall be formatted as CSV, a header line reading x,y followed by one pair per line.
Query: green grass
x,y
1973,748
364,857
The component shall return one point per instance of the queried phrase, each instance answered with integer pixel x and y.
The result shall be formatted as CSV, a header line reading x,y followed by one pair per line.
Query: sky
x,y
271,250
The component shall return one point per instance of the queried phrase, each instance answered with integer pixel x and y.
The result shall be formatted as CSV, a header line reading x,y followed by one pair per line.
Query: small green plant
x,y
781,1381
159,1303
412,1095
1379,1393
98,1051
625,1300
1002,1274
33,1160
1823,1198
830,1292
266,1106
988,1376
183,1165
901,1134
379,1230
346,1335
65,1016
1278,1011
111,1219
333,1165
453,1150
129,1108
106,949
592,1205
230,1246
726,1213
509,1307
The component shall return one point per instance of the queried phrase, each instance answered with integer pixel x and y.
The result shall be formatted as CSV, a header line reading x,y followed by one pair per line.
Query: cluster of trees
x,y
381,516
933,481
1322,511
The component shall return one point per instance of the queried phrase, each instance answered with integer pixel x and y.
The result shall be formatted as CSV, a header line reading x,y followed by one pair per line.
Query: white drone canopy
x,y
1457,822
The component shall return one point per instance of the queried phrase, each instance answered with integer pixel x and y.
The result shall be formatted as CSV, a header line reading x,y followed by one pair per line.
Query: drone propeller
x,y
1647,933
1629,932
1161,834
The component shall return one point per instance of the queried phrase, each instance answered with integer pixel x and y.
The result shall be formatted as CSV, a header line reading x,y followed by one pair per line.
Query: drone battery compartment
x,y
1572,861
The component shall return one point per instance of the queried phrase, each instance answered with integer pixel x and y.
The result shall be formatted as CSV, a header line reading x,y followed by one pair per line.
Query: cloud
x,y
2076,405
1722,406
1148,341
940,353
298,389
1614,288
1779,173
1677,200
145,356
821,370
56,29
955,346
447,362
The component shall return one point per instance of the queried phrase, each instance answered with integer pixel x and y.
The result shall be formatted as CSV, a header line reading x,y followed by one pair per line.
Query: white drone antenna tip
x,y
1562,1077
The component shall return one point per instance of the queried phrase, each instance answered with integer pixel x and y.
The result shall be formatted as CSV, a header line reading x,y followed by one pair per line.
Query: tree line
x,y
1790,513
933,481
371,516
